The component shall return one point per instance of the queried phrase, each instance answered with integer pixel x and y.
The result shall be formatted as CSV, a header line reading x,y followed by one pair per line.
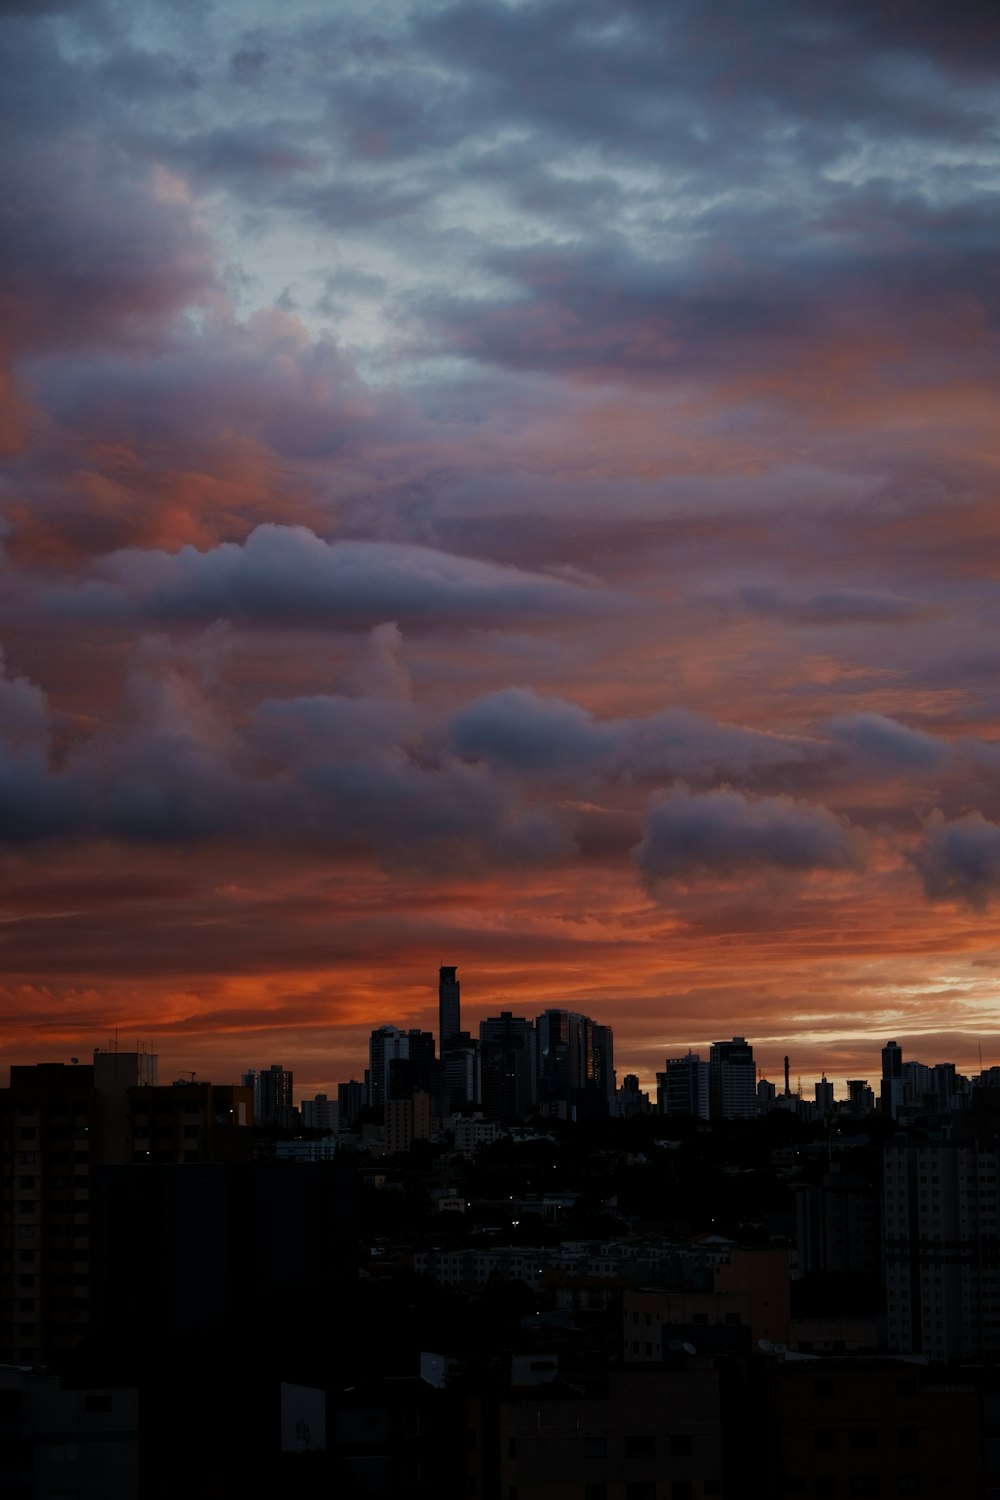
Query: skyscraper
x,y
732,1080
272,1104
575,1062
682,1088
508,1066
891,1091
449,1009
385,1044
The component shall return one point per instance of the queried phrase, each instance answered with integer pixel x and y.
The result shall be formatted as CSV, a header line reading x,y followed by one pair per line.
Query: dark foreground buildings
x,y
690,1304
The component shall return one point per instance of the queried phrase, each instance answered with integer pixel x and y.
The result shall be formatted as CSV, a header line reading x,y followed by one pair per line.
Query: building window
x,y
641,1445
595,1447
61,1452
863,1437
680,1445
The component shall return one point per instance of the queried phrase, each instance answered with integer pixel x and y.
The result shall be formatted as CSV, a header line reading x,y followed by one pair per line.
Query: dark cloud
x,y
838,607
722,834
875,738
328,772
960,860
518,729
96,251
287,573
553,738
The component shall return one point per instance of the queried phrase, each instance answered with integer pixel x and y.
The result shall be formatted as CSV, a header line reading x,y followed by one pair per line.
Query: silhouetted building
x,y
415,1070
824,1098
838,1226
350,1102
650,1433
189,1122
272,1096
54,1433
860,1098
891,1093
408,1119
682,1088
449,1006
509,1088
631,1100
461,1073
942,1248
868,1427
575,1063
57,1122
732,1080
386,1044
320,1113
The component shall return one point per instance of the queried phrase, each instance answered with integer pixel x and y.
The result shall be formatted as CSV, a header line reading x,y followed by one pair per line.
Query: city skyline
x,y
780,1073
509,485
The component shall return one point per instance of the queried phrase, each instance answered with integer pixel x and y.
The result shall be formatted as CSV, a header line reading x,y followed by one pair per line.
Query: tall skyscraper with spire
x,y
449,1010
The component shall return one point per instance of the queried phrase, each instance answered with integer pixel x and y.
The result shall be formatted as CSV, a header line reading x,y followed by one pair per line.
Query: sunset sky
x,y
510,484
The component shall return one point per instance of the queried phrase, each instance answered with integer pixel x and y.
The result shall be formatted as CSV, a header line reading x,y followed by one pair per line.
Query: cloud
x,y
518,729
724,835
960,860
884,742
341,775
283,574
551,737
836,607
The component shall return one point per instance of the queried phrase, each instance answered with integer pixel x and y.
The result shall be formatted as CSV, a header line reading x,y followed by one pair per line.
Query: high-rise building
x,y
414,1069
461,1071
732,1080
941,1239
891,1091
58,1123
399,1062
449,1007
351,1099
682,1088
509,1068
631,1100
384,1044
272,1095
575,1063
824,1098
320,1113
602,1082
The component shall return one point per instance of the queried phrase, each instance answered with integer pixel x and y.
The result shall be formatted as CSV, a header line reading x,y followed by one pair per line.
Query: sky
x,y
503,483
